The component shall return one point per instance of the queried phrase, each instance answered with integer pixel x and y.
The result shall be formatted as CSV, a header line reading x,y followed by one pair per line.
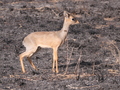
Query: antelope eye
x,y
73,19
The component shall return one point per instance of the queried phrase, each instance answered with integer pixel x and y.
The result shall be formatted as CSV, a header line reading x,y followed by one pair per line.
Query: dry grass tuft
x,y
111,46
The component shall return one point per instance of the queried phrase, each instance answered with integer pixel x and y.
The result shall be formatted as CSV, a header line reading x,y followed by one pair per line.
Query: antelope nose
x,y
77,22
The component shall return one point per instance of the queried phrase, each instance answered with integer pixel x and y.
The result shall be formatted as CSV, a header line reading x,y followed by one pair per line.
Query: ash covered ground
x,y
91,49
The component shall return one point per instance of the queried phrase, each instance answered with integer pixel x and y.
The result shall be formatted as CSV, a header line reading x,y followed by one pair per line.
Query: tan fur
x,y
52,39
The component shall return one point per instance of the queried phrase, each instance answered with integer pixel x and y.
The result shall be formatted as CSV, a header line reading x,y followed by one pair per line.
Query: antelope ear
x,y
66,14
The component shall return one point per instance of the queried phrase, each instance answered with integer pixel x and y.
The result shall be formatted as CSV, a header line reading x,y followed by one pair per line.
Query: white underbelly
x,y
44,46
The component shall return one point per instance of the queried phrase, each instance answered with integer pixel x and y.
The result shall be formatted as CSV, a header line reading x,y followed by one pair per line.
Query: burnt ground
x,y
91,48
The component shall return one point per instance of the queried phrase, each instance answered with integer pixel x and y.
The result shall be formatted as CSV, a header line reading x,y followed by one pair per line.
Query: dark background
x,y
95,42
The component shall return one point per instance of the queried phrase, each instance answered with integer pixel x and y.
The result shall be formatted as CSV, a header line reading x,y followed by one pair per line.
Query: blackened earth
x,y
91,48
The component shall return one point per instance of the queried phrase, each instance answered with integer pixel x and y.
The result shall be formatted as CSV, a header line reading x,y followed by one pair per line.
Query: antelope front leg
x,y
53,67
55,60
57,66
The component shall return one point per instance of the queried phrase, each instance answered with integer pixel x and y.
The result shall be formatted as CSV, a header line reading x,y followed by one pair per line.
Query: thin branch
x,y
78,65
68,59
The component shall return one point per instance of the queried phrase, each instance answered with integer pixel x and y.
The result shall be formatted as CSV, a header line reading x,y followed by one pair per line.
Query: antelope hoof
x,y
57,71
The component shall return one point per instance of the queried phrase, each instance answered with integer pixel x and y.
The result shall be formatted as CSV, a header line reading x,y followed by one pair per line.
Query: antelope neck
x,y
64,30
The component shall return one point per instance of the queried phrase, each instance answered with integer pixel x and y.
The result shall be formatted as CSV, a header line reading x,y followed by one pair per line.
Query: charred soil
x,y
88,60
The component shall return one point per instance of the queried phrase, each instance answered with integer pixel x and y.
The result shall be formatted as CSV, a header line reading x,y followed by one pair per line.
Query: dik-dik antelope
x,y
47,39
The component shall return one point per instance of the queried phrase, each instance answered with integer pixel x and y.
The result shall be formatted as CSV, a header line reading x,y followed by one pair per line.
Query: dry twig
x,y
68,59
78,66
